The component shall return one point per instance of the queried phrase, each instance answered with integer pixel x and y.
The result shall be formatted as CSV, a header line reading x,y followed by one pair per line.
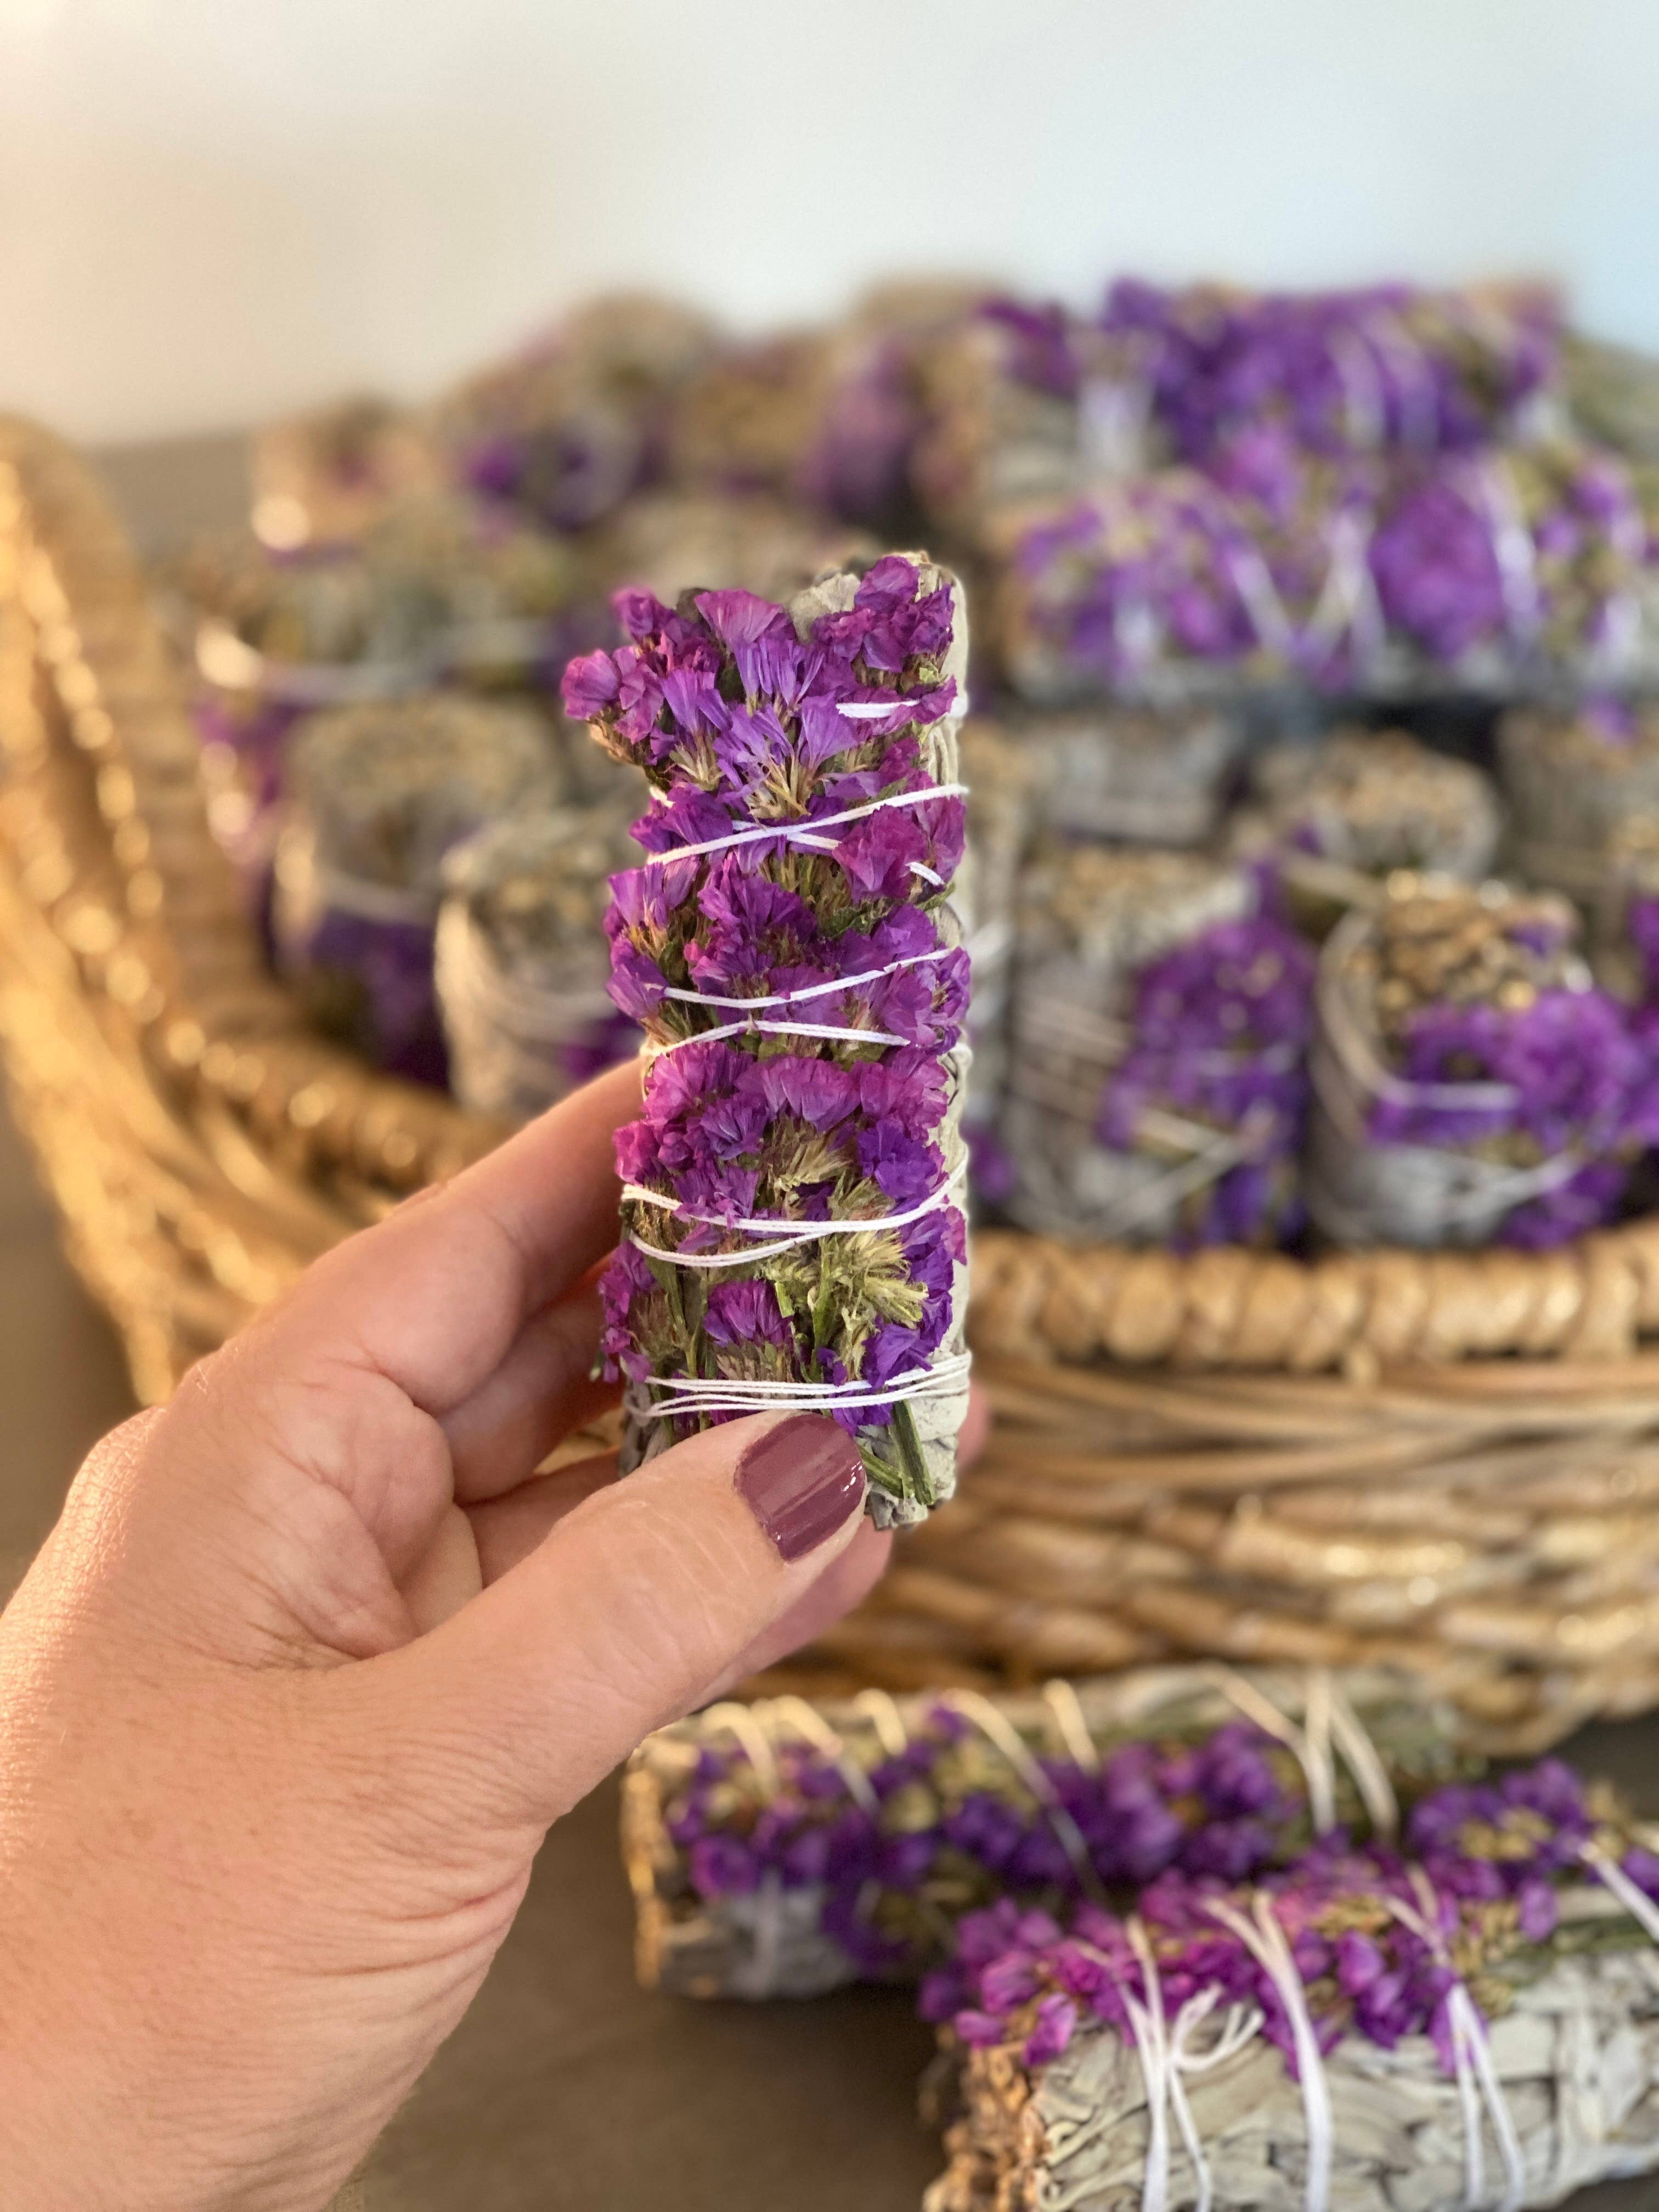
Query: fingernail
x,y
801,1481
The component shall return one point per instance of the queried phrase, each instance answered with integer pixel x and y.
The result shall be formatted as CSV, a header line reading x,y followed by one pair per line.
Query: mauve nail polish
x,y
801,1481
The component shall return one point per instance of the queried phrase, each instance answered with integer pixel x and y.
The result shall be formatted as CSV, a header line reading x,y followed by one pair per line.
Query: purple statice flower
x,y
1434,562
1219,1031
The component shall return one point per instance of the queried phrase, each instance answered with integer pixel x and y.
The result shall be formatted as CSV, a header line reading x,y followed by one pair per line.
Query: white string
x,y
1311,1746
816,990
874,710
804,831
1608,1871
795,1232
739,1720
1165,2058
882,1709
1265,1940
832,1032
1475,2074
1066,1707
811,1723
697,1394
996,1726
1365,1762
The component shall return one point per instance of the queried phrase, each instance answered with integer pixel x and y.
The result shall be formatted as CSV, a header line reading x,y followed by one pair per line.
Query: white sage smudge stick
x,y
522,960
792,1201
1544,2079
1470,1083
379,794
786,1848
1156,1084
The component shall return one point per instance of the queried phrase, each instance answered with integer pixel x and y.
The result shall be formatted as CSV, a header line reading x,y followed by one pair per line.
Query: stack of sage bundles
x,y
784,1849
1470,1084
1474,2022
379,795
1157,1085
522,959
792,1230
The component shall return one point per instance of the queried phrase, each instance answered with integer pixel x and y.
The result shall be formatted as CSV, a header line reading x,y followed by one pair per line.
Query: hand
x,y
312,1659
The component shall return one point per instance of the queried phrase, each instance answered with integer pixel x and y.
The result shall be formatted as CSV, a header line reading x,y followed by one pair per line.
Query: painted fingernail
x,y
801,1481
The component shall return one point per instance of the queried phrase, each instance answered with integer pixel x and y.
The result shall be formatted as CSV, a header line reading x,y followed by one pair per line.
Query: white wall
x,y
212,209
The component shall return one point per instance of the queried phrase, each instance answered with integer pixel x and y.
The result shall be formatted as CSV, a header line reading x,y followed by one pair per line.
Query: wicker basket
x,y
1451,1461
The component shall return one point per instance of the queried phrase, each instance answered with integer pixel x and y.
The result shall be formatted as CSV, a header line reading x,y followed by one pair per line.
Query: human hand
x,y
312,1659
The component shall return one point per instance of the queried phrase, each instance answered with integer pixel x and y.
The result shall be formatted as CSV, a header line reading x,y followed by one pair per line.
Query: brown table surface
x,y
567,2088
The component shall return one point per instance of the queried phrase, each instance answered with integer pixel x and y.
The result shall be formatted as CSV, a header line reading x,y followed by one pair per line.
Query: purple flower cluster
x,y
736,721
1387,366
1044,345
1271,561
1221,1025
1494,1855
1583,1082
368,980
1225,1807
858,463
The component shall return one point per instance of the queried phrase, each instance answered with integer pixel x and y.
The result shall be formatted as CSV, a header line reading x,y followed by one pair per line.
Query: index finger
x,y
434,1297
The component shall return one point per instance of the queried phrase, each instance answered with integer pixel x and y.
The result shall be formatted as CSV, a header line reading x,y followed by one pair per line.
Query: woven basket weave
x,y
1447,1459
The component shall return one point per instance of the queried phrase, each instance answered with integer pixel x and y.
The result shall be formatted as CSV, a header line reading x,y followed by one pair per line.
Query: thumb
x,y
631,1609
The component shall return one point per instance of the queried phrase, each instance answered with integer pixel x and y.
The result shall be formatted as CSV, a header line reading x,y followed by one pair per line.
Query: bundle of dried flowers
x,y
791,1216
1471,2021
784,1849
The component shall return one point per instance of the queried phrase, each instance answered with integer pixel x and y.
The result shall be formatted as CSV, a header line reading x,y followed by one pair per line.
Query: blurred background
x,y
208,214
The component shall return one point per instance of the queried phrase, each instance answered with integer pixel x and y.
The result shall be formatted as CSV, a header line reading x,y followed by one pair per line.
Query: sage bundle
x,y
1135,775
1012,418
436,590
792,1230
1491,571
1612,394
1384,366
1158,1089
746,424
379,793
785,1849
570,427
1572,779
871,403
1331,819
323,477
522,959
1470,1084
1471,2021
